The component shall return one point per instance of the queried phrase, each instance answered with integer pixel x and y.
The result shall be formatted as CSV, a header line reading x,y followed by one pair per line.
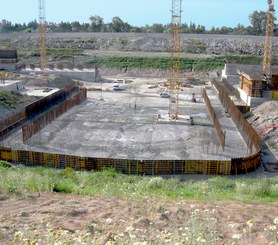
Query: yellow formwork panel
x,y
6,154
14,156
225,167
212,167
56,162
81,163
274,94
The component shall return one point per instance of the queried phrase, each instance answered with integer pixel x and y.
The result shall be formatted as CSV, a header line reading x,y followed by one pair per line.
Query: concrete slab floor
x,y
123,125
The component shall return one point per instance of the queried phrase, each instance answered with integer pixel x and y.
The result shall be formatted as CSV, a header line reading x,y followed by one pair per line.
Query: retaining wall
x,y
221,135
33,127
248,133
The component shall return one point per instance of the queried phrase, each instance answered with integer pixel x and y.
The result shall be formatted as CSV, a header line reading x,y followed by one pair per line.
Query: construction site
x,y
182,123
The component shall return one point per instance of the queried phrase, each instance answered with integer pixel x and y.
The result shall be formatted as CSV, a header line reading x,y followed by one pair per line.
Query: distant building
x,y
8,60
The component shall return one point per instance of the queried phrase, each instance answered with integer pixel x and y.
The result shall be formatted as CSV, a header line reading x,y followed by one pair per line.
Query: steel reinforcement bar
x,y
33,127
221,135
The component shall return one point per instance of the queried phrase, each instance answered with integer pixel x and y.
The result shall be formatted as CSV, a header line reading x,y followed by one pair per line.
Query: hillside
x,y
144,42
46,206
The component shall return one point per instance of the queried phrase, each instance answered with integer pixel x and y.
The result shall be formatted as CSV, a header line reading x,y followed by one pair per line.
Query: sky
x,y
136,12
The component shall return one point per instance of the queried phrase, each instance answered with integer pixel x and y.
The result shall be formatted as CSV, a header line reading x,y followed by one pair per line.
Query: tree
x,y
157,28
200,29
258,22
117,25
5,26
184,28
65,27
33,25
192,27
75,26
96,23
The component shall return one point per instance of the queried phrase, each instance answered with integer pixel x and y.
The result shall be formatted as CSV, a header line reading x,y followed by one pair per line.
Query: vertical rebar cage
x,y
42,36
174,69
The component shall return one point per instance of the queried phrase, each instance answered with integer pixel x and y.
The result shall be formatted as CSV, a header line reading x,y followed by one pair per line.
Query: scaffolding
x,y
174,70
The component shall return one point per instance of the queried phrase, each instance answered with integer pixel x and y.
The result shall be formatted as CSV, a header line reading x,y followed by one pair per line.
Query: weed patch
x,y
109,182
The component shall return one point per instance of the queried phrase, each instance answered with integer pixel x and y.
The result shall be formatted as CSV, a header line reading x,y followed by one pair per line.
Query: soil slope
x,y
108,218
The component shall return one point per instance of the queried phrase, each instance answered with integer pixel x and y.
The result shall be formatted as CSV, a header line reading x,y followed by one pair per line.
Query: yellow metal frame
x,y
42,36
174,69
270,18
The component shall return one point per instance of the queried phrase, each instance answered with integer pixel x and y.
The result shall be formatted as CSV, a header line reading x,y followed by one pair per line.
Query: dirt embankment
x,y
146,42
39,217
265,122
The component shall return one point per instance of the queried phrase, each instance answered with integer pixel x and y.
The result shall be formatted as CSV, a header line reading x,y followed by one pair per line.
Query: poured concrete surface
x,y
124,125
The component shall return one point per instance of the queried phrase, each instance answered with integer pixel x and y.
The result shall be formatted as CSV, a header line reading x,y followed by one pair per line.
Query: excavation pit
x,y
124,125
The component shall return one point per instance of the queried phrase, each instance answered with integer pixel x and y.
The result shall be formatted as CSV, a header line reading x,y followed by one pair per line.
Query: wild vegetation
x,y
9,99
21,179
165,207
199,64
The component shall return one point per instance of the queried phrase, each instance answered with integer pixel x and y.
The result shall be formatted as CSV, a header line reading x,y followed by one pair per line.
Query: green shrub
x,y
68,173
4,164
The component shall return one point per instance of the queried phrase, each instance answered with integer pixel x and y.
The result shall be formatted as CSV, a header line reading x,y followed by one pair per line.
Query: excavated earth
x,y
39,215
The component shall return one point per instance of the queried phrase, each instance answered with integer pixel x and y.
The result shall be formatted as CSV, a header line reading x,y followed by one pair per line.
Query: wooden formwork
x,y
145,167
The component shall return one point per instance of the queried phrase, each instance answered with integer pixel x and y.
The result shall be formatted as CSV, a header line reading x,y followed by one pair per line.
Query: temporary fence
x,y
33,127
221,135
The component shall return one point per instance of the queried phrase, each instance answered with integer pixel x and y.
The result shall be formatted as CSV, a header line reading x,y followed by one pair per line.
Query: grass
x,y
10,99
197,225
55,53
23,179
199,64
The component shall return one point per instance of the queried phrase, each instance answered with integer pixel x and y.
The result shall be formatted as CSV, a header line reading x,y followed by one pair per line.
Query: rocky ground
x,y
145,42
45,217
264,120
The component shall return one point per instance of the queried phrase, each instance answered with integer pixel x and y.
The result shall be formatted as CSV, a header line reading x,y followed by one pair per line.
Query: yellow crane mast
x,y
174,69
42,36
270,17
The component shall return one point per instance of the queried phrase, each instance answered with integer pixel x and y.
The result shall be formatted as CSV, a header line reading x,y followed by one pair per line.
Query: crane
x,y
270,17
174,69
42,37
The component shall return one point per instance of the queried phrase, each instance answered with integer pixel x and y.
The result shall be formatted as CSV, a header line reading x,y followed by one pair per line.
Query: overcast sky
x,y
136,12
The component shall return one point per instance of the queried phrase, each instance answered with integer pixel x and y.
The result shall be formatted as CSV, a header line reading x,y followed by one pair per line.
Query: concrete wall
x,y
251,101
84,75
8,66
11,85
